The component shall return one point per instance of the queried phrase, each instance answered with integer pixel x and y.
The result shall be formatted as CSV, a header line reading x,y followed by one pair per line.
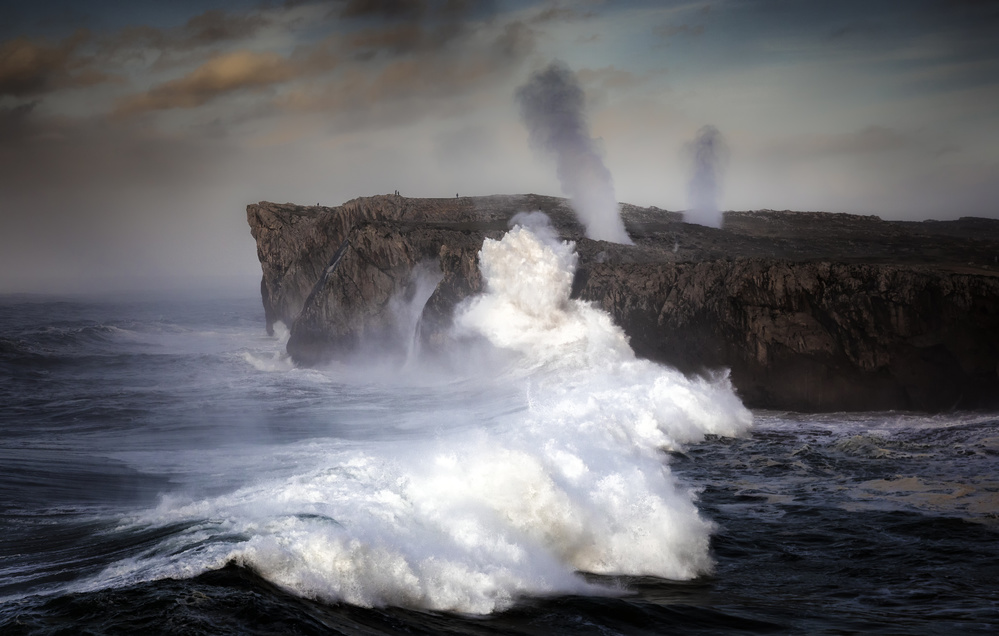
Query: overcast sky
x,y
132,135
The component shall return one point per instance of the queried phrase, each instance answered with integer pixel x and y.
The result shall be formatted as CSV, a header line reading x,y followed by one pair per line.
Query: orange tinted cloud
x,y
30,67
218,76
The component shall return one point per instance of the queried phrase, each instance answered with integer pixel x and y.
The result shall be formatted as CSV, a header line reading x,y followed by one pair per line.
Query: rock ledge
x,y
810,311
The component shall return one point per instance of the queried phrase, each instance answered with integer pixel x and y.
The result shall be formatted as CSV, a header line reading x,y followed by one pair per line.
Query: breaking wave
x,y
545,463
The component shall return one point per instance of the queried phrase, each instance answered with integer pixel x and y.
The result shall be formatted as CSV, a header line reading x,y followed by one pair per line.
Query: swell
x,y
559,471
816,569
235,600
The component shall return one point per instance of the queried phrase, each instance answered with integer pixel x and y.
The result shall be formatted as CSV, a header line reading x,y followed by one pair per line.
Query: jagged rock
x,y
815,336
810,311
377,264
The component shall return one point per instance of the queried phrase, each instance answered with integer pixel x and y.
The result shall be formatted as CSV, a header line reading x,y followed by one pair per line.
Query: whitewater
x,y
165,468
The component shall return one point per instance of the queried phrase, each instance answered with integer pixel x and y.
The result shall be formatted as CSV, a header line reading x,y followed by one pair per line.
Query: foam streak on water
x,y
169,437
566,474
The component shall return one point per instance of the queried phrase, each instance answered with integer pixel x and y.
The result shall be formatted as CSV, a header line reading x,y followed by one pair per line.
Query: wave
x,y
565,474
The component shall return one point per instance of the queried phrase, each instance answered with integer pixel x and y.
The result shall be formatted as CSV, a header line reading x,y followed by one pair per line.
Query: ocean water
x,y
164,468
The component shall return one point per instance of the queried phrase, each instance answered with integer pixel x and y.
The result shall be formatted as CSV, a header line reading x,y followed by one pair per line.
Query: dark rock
x,y
376,265
815,336
810,311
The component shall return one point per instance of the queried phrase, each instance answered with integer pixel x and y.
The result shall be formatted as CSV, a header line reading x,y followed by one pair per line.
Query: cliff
x,y
810,311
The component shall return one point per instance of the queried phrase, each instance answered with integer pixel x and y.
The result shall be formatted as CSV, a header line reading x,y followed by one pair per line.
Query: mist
x,y
552,107
707,154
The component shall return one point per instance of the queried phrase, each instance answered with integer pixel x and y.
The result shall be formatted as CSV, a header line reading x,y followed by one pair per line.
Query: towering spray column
x,y
707,154
552,107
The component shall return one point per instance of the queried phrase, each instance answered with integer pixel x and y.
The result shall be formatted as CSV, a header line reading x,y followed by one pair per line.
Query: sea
x,y
166,469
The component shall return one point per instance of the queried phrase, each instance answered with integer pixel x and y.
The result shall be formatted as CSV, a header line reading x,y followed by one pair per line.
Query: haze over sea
x,y
165,469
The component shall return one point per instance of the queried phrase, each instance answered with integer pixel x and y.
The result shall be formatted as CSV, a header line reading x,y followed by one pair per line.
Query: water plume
x,y
503,483
553,109
707,153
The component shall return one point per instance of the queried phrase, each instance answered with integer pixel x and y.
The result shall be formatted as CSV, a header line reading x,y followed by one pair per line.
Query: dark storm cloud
x,y
33,67
977,15
444,47
407,9
216,26
411,71
403,39
414,9
397,39
412,27
941,31
208,29
219,76
37,66
557,12
404,90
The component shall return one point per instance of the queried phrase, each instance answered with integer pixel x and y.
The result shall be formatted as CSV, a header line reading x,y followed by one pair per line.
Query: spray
x,y
466,493
707,154
552,107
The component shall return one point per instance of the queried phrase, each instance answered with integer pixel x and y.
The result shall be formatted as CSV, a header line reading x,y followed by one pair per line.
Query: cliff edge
x,y
809,311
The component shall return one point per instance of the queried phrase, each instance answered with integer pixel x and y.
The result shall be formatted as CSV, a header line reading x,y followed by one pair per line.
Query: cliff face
x,y
366,293
809,311
295,245
815,336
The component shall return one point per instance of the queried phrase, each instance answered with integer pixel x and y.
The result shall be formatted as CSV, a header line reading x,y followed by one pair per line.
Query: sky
x,y
134,134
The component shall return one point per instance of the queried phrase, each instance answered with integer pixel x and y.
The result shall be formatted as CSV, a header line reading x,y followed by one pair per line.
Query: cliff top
x,y
967,244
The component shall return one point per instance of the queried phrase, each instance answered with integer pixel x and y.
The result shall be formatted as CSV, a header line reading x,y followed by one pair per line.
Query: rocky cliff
x,y
810,311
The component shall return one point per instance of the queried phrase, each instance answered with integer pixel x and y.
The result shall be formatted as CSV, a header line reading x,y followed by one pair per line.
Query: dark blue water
x,y
163,469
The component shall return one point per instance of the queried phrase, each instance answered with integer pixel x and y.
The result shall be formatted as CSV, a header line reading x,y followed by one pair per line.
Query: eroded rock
x,y
809,311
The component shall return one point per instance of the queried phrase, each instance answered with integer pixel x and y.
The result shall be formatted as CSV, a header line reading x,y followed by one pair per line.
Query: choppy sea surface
x,y
165,469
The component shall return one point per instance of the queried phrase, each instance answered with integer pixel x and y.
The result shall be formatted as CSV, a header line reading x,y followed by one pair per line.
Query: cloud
x,y
34,67
400,89
389,95
666,31
411,10
556,12
449,45
206,29
870,140
383,8
426,27
216,26
609,78
515,42
395,39
218,76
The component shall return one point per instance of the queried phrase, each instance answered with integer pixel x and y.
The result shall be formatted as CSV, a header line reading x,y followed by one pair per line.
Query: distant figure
x,y
456,195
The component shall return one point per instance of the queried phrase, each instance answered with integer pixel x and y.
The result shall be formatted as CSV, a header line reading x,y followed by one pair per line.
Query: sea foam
x,y
567,474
